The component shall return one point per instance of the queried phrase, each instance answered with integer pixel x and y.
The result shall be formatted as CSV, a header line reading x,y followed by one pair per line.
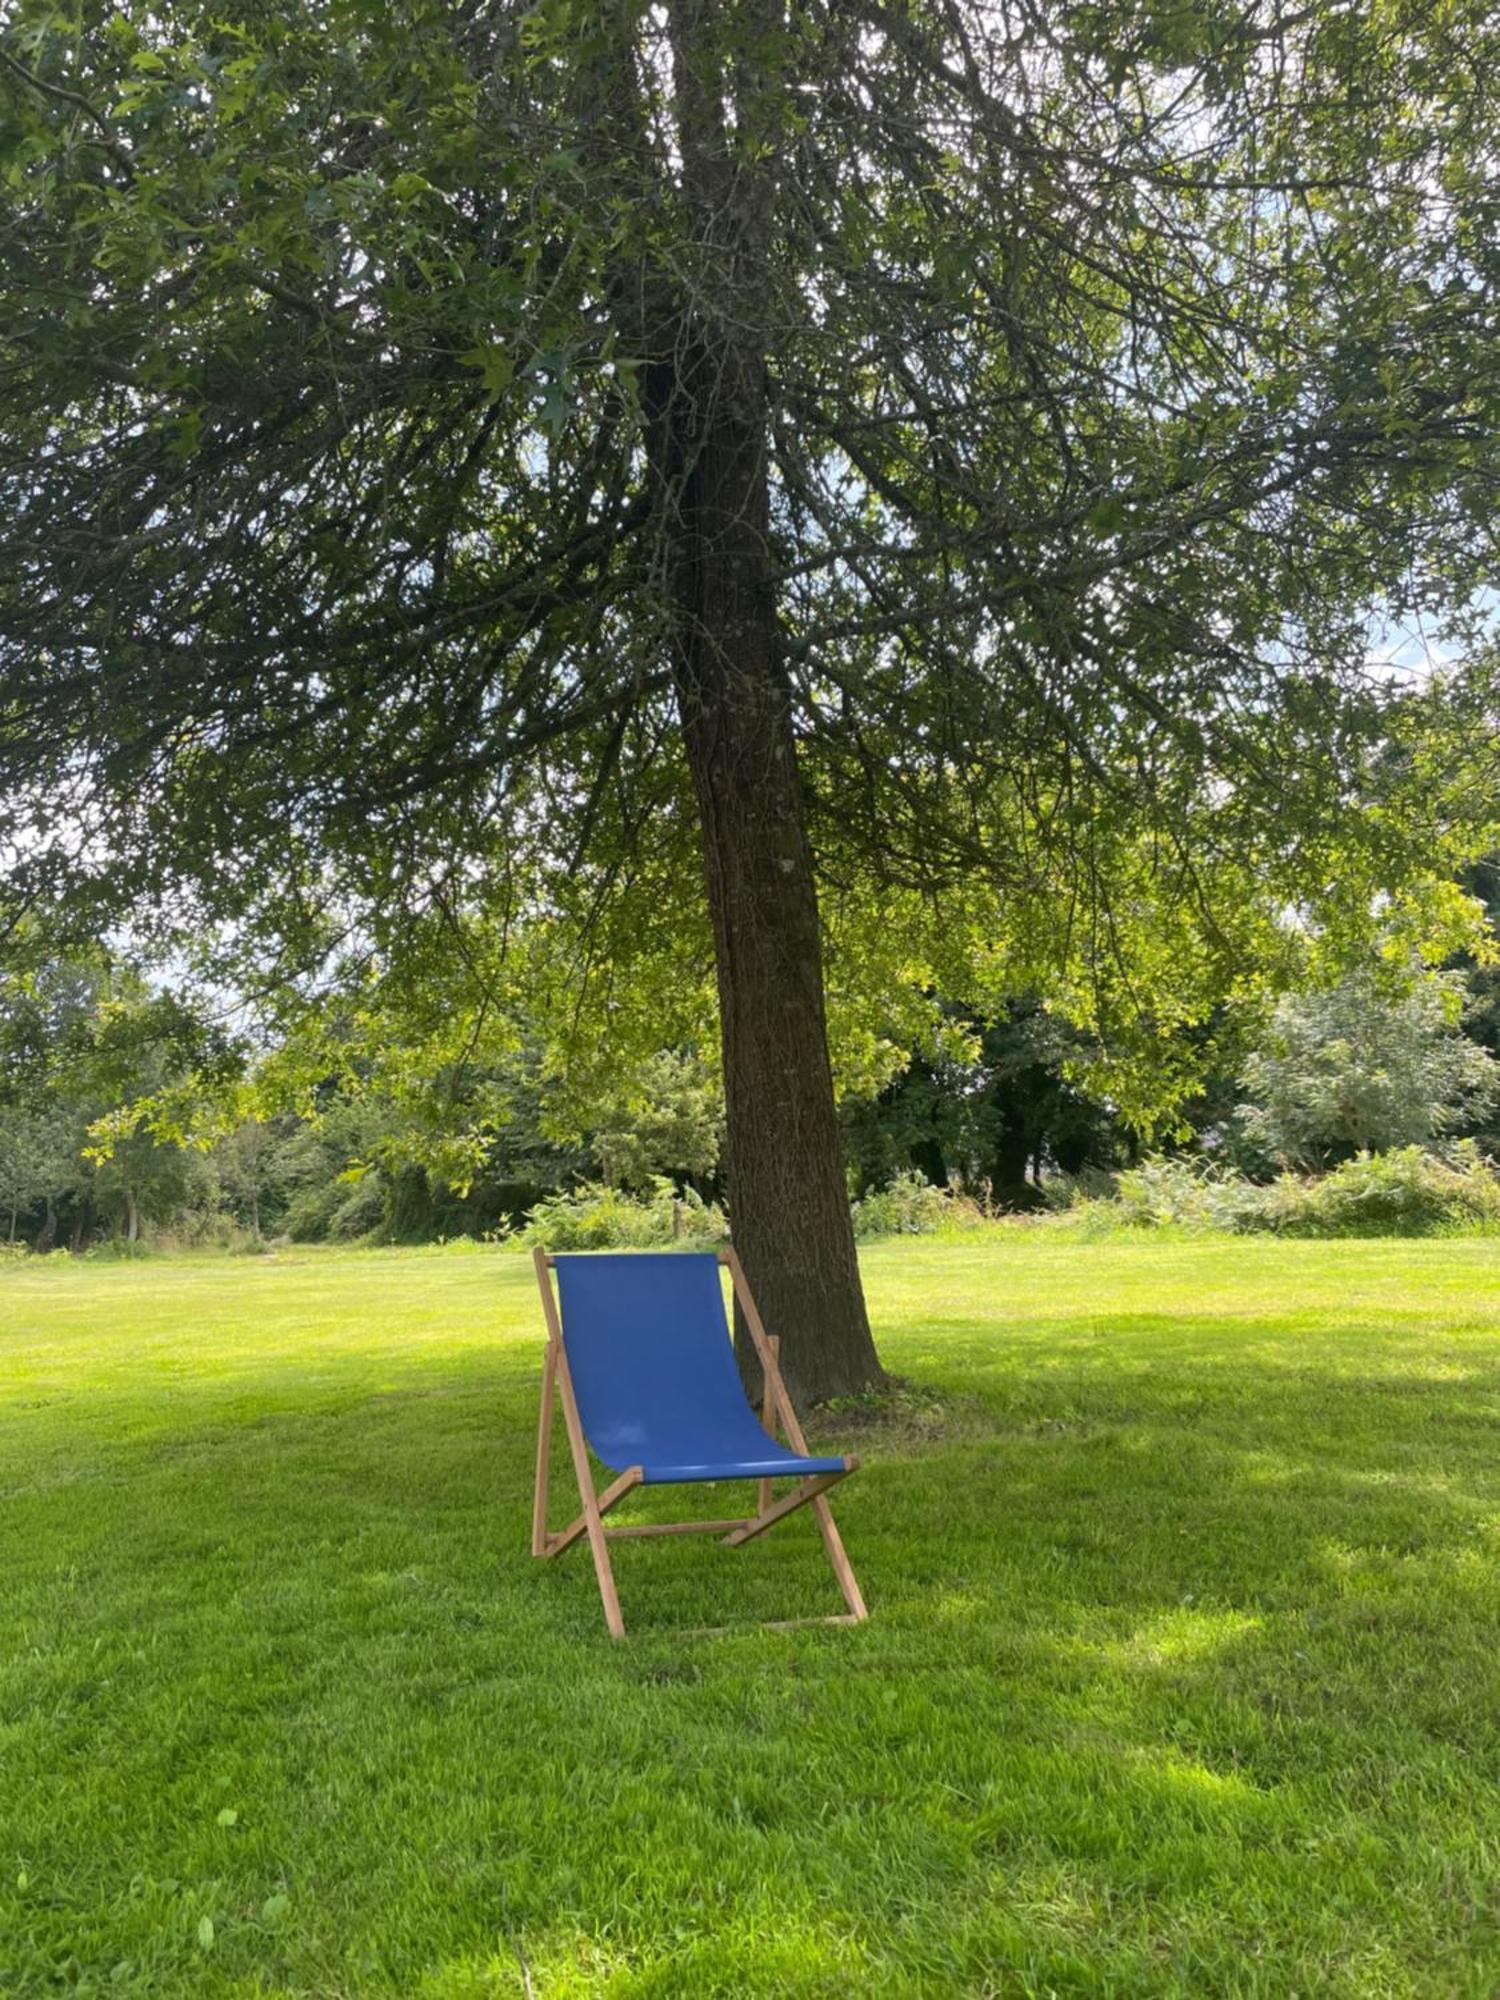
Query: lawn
x,y
1182,1676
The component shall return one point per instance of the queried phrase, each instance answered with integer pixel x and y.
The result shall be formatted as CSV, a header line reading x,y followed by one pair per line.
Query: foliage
x,y
670,1118
910,1206
122,1107
1100,408
1358,1067
987,1103
1482,987
596,1216
1189,1193
95,1060
1184,1626
248,1165
337,1211
1405,1192
38,1160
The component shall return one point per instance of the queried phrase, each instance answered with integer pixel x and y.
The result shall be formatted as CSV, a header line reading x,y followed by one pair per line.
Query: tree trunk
x,y
132,1216
788,1204
1012,1157
699,327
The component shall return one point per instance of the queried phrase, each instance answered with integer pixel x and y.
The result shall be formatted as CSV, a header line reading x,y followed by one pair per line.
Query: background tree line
x,y
127,1111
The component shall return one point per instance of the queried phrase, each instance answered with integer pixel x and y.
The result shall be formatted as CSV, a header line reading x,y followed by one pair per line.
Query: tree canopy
x,y
1353,1070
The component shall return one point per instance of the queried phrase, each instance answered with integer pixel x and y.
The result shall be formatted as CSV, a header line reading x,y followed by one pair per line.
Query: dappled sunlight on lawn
x,y
1181,1636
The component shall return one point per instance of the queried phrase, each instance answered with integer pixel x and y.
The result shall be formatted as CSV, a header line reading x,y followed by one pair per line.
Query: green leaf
x,y
206,1933
494,364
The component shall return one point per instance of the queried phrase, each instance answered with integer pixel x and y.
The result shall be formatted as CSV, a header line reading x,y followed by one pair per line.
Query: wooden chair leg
x,y
768,1418
543,1454
593,1525
813,1492
842,1569
768,1346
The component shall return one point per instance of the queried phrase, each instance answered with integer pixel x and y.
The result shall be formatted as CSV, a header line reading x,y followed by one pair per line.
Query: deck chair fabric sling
x,y
639,1355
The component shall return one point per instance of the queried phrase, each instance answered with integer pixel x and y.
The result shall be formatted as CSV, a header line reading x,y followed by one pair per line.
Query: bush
x,y
592,1216
1355,1069
118,1250
336,1211
1189,1194
1062,1191
361,1209
910,1206
1407,1192
200,1229
310,1210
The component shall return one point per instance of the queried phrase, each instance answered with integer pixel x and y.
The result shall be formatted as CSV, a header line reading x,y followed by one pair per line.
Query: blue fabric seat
x,y
654,1372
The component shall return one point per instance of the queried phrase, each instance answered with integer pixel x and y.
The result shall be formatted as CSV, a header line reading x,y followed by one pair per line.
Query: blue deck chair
x,y
641,1359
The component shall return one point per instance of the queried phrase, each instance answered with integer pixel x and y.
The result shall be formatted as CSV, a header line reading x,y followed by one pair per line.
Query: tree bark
x,y
788,1204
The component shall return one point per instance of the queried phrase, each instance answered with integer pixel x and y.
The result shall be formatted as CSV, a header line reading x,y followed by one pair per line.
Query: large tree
x,y
460,458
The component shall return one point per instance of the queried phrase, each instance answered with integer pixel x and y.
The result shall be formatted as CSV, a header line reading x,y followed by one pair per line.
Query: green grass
x,y
1181,1676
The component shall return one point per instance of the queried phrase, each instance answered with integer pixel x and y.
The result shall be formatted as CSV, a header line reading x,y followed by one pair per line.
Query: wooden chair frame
x,y
557,1385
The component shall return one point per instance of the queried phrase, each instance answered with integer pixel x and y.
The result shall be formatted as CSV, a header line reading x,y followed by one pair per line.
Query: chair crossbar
x,y
612,1495
672,1528
769,1516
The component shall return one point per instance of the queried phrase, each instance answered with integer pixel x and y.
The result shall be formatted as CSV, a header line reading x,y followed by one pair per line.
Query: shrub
x,y
1062,1191
1191,1194
910,1206
1357,1068
1408,1192
197,1231
336,1211
361,1209
310,1211
118,1250
593,1216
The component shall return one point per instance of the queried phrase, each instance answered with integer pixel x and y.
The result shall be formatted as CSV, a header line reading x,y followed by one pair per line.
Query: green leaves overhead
x,y
1122,363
